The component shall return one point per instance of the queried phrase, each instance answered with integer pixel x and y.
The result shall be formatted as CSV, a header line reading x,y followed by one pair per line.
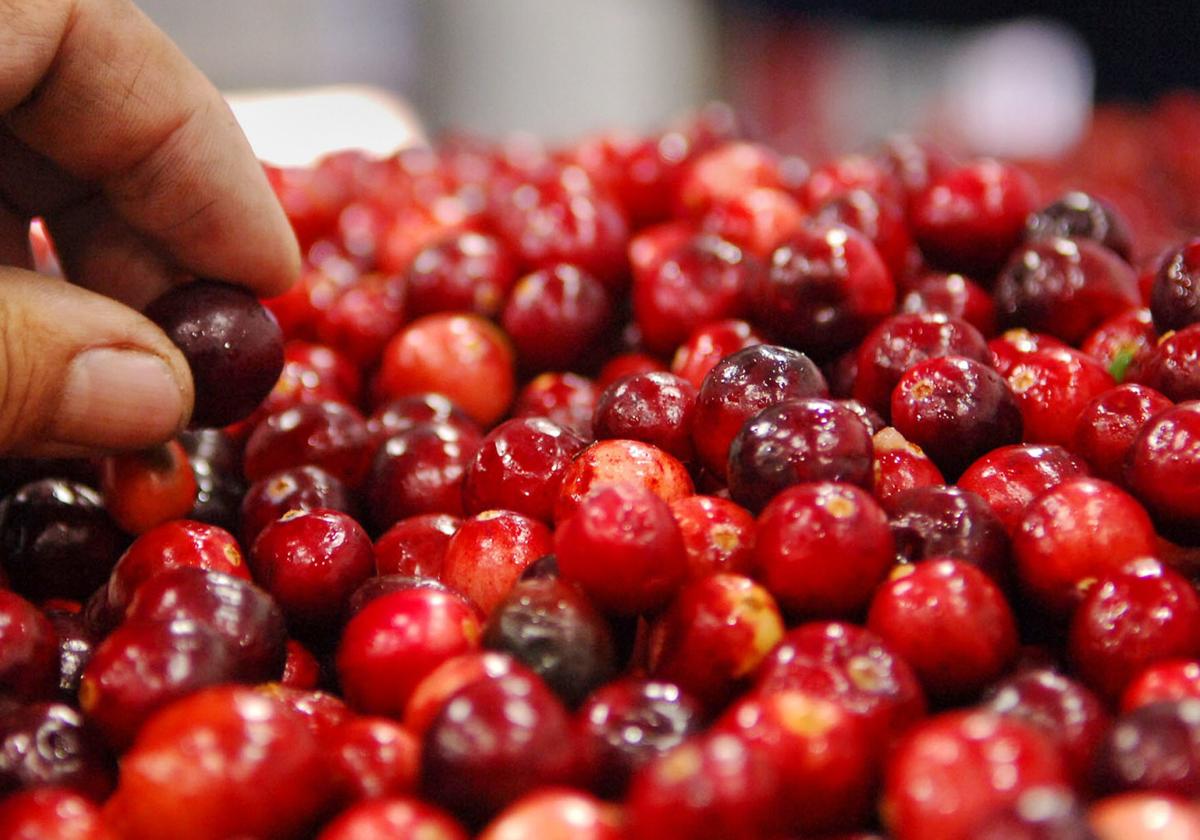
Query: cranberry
x,y
329,435
1163,469
216,465
1052,388
396,640
1170,366
972,216
403,413
626,461
718,535
950,622
1121,340
1109,424
900,466
795,442
470,272
1131,618
231,342
379,585
446,679
420,470
1010,348
725,172
822,548
567,399
301,670
28,649
1144,815
628,723
549,626
708,345
1041,813
1078,215
956,409
318,370
398,818
950,522
51,814
627,364
56,539
622,546
912,161
758,220
557,813
144,489
556,317
656,408
955,296
519,467
487,554
841,175
494,741
298,488
371,758
75,645
1152,748
955,769
1175,295
46,744
826,288
319,711
1010,477
251,767
1176,679
416,546
363,317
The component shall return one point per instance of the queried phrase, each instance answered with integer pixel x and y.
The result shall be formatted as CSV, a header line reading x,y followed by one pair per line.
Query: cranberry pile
x,y
640,489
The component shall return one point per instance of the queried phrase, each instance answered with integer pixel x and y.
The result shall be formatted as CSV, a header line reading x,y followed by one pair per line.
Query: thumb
x,y
80,371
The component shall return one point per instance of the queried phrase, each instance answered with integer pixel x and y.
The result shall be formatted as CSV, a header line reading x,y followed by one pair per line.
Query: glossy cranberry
x,y
1121,340
51,813
879,218
489,551
329,435
822,548
231,342
56,539
952,295
469,272
1052,387
1042,813
28,649
1152,748
1009,478
320,711
396,640
446,679
46,744
758,220
321,370
379,585
567,399
556,317
403,413
252,769
718,535
298,488
1108,425
841,175
621,461
300,668
1163,469
371,758
494,741
462,356
1012,346
519,467
622,546
628,723
1131,618
1175,295
900,466
298,309
216,465
363,316
1173,679
557,814
627,364
1079,215
144,489
656,408
950,622
955,769
708,345
75,644
1170,365
826,288
416,546
971,217
950,522
420,470
956,409
395,818
1144,815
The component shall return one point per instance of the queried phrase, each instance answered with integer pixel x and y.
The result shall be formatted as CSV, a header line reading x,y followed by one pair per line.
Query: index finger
x,y
97,88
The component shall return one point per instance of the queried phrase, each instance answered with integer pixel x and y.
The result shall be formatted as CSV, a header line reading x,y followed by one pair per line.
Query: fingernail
x,y
119,399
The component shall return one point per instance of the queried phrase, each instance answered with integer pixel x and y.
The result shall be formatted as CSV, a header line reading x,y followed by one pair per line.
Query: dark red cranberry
x,y
494,741
396,817
371,758
655,408
51,813
57,540
551,627
216,464
147,488
879,218
841,175
950,522
419,471
1163,470
628,723
1152,748
956,409
416,546
567,399
1129,619
403,413
953,295
950,622
1009,478
625,462
740,386
329,435
231,342
1121,341
519,466
379,585
1052,388
708,345
1173,679
1175,295
826,288
46,744
470,272
301,670
1172,366
363,317
556,317
75,644
1107,427
1079,215
487,554
718,535
1041,813
28,649
822,548
446,679
298,488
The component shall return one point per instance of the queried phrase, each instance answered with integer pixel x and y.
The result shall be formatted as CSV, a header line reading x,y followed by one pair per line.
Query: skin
x,y
144,180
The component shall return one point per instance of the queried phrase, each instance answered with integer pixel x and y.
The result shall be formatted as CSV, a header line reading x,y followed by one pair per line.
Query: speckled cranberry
x,y
298,488
565,398
1175,294
44,744
1009,478
900,466
1109,424
519,466
718,535
1080,215
950,522
656,408
625,461
1163,470
421,470
416,546
465,272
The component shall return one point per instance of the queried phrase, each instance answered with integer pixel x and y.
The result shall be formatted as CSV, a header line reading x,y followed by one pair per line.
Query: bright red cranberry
x,y
826,288
1012,346
955,296
28,649
1052,388
396,818
740,386
396,640
841,175
216,465
420,470
971,217
950,622
520,467
51,813
758,220
57,540
379,585
1040,813
621,461
556,317
1108,425
1121,340
371,758
628,364
718,535
1078,215
1174,679
298,488
319,369
311,562
416,546
726,172
1144,815
549,626
956,409
1152,748
489,551
912,161
1163,469
1131,618
456,672
467,272
656,408
329,435
463,356
363,317
822,548
320,711
567,399
1074,533
955,769
403,413
231,342
1175,295
708,345
298,309
144,489
900,466
46,744
950,522
1009,478
494,741
300,669
1170,366
557,814
622,546
252,769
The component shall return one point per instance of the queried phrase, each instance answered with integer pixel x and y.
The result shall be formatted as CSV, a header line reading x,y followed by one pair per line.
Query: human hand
x,y
144,179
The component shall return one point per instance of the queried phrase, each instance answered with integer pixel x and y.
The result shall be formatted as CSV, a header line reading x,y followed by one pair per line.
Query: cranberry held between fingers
x,y
655,408
329,435
1171,365
1009,478
1176,679
394,818
468,271
371,758
952,295
556,318
1175,295
435,688
626,462
950,522
298,488
950,622
1152,748
28,649
557,814
144,489
822,548
416,547
51,744
1163,470
420,470
1109,424
567,399
718,535
519,467
489,551
1145,815
232,344
51,813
